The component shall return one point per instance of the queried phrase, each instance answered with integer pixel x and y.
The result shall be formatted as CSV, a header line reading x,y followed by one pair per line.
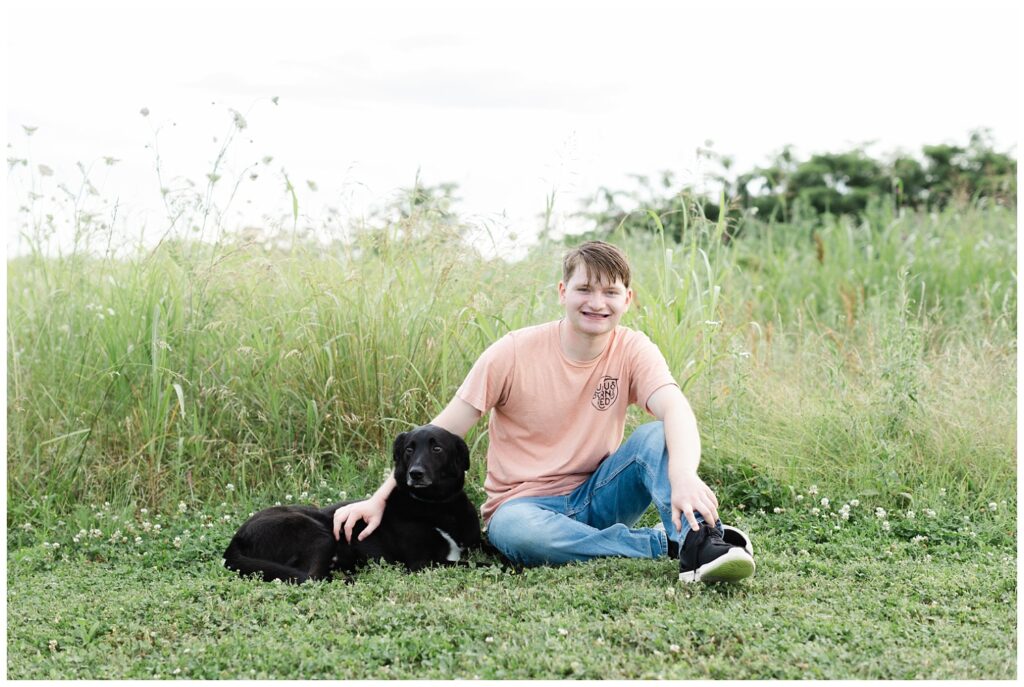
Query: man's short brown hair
x,y
603,262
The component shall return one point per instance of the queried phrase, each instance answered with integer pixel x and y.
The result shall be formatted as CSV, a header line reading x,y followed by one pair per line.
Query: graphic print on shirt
x,y
606,392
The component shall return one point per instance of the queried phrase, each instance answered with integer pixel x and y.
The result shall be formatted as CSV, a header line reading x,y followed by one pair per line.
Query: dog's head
x,y
430,462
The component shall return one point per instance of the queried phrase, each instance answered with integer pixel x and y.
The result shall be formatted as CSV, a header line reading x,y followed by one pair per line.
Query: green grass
x,y
163,378
832,598
875,359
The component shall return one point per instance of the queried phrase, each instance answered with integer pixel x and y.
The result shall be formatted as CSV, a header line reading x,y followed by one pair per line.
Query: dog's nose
x,y
417,477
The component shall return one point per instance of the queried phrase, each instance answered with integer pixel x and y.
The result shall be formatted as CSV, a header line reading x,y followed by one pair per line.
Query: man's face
x,y
593,308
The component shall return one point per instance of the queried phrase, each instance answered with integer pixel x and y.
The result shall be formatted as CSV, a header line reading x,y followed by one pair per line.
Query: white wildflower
x,y
911,515
563,632
230,487
885,525
929,512
825,502
778,510
813,489
854,503
177,542
992,507
182,507
799,497
815,511
880,513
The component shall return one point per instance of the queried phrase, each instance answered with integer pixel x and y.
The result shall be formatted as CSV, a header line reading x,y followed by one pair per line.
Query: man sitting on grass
x,y
559,486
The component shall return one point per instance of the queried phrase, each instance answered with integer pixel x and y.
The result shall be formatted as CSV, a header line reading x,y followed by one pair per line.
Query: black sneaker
x,y
706,557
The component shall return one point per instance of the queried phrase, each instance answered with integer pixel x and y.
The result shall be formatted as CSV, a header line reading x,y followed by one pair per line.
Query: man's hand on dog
x,y
370,511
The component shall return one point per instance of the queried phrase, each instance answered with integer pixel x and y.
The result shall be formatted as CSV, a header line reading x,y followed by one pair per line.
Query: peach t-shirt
x,y
554,420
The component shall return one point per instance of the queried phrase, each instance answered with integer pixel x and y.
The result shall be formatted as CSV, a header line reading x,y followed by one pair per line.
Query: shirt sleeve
x,y
490,380
649,371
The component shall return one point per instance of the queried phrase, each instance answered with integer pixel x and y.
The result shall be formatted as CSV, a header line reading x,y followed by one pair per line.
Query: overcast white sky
x,y
512,101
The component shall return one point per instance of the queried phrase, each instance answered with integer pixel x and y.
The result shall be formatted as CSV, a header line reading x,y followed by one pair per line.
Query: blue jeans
x,y
596,518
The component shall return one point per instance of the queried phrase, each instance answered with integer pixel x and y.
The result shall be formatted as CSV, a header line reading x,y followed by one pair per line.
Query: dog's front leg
x,y
321,562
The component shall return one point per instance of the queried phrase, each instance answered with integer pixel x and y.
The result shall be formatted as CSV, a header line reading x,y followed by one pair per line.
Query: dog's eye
x,y
436,449
408,450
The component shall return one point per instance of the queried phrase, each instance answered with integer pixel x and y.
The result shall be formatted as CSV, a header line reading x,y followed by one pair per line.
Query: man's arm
x,y
689,492
457,417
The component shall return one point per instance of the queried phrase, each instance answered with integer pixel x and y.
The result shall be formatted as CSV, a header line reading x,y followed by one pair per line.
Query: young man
x,y
559,486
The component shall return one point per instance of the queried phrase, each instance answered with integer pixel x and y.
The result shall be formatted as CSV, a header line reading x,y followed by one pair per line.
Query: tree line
x,y
843,183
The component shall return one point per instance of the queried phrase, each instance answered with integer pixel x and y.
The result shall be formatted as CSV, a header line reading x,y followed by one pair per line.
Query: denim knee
x,y
650,440
518,531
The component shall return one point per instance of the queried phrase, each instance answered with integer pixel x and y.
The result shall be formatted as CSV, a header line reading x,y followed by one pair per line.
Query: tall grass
x,y
875,354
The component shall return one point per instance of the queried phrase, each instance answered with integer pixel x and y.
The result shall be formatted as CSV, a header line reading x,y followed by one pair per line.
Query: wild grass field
x,y
854,381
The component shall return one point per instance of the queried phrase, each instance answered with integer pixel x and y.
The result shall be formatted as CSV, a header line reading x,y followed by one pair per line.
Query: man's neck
x,y
580,348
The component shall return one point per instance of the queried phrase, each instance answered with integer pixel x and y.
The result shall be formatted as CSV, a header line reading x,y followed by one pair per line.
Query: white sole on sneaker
x,y
732,566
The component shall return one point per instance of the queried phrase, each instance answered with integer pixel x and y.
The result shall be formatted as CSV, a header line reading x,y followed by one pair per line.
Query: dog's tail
x,y
238,562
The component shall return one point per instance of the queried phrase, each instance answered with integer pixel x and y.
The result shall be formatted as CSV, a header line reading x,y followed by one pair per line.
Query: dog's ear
x,y
399,447
461,453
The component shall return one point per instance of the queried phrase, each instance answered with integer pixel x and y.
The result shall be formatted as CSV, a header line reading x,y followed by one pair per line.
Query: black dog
x,y
428,520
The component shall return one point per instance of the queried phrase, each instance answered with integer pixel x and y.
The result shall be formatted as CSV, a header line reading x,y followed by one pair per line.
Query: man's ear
x,y
561,292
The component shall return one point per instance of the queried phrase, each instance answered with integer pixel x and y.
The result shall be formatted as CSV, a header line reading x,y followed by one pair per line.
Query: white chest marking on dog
x,y
454,552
